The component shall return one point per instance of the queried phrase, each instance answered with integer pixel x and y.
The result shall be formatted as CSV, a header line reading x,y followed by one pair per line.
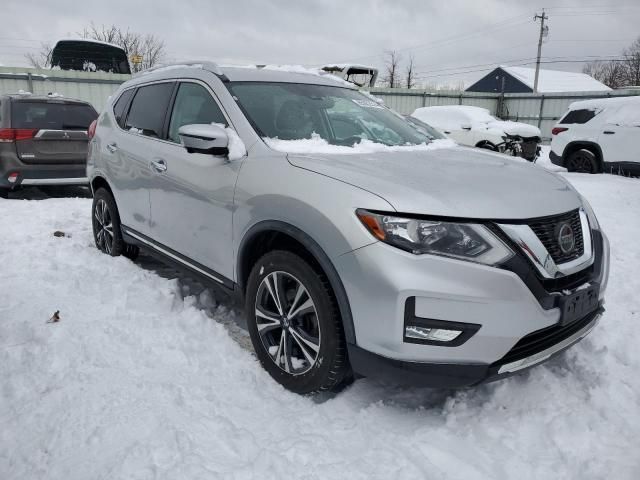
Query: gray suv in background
x,y
359,246
43,140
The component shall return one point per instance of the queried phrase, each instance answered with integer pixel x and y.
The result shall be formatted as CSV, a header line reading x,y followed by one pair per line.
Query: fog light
x,y
13,177
432,334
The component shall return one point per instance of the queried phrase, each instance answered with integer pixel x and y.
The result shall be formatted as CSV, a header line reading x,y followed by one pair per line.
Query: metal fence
x,y
537,109
93,87
540,110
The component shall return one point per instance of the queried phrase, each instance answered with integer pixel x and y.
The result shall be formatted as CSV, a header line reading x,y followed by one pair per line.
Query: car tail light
x,y
557,130
92,129
14,134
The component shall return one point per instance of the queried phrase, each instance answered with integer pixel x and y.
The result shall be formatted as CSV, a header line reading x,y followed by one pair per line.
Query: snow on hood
x,y
453,182
317,144
514,128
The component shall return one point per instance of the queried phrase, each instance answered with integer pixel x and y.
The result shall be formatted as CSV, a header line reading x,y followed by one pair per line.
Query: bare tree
x,y
618,73
410,74
632,63
148,47
392,69
42,58
608,72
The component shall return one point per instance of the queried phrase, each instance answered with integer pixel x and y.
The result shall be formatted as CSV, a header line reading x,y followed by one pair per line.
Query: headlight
x,y
593,220
464,241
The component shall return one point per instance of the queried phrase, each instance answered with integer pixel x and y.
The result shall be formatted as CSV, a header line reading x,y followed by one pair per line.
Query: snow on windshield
x,y
453,116
317,144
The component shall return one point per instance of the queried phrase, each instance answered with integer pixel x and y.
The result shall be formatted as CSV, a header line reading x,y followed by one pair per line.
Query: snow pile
x,y
140,379
317,144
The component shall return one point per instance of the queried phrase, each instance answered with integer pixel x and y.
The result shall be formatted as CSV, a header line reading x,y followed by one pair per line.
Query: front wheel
x,y
106,226
294,324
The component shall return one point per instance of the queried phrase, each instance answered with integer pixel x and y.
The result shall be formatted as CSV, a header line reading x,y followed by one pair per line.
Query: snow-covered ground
x,y
140,379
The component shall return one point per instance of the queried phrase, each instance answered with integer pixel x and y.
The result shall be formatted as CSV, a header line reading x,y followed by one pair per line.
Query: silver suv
x,y
358,247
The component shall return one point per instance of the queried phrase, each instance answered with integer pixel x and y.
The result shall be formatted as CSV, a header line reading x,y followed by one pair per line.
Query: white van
x,y
597,136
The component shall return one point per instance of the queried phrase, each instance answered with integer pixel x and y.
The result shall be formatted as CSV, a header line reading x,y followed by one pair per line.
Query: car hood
x,y
515,128
452,182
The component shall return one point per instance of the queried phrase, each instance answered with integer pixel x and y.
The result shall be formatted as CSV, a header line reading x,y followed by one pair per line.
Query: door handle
x,y
159,165
112,147
608,132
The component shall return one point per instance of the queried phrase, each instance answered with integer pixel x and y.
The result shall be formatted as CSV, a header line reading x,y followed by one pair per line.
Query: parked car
x,y
476,127
600,135
376,256
425,128
43,140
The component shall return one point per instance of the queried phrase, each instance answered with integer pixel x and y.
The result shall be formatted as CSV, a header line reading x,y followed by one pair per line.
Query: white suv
x,y
476,127
598,136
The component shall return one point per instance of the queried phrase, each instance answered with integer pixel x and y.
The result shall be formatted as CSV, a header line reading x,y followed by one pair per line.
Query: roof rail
x,y
204,65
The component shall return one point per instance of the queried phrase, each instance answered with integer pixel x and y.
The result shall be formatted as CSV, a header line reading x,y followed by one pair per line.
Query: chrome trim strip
x,y
533,248
175,257
542,356
55,181
44,130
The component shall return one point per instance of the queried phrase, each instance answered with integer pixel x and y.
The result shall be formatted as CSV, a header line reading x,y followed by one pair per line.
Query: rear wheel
x,y
582,161
294,324
106,226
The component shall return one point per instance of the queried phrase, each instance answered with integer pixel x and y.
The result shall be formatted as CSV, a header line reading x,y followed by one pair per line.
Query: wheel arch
x,y
593,147
486,143
271,235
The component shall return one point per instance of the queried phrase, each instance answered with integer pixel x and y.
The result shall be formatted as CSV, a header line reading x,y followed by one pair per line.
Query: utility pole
x,y
542,18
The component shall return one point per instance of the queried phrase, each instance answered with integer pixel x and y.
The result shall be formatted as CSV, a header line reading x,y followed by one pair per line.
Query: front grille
x,y
547,231
547,337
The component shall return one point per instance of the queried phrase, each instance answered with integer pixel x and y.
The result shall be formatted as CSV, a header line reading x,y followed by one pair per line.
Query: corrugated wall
x,y
539,110
94,88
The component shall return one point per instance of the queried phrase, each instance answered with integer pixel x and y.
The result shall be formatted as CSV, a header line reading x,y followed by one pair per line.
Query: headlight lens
x,y
464,241
593,220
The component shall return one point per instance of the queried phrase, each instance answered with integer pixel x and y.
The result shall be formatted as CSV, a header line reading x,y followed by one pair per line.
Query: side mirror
x,y
465,126
204,138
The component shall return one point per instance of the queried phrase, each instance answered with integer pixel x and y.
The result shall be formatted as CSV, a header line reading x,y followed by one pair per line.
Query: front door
x,y
192,193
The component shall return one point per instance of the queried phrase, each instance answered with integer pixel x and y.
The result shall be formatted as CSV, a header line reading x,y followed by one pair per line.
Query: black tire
x,y
582,161
4,193
106,226
321,370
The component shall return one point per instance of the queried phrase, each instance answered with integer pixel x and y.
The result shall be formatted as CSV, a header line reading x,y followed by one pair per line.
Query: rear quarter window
x,y
120,108
148,109
51,116
578,116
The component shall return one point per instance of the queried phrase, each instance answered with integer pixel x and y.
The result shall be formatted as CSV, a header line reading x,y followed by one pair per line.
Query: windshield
x,y
428,130
340,116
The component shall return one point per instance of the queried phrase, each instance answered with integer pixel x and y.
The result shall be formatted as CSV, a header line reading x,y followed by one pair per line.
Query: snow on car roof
x,y
556,81
89,40
599,103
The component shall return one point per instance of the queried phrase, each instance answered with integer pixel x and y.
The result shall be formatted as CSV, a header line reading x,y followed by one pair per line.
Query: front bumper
x,y
510,305
458,375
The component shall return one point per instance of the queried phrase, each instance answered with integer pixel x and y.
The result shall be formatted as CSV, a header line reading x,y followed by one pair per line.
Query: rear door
x,y
620,135
129,146
57,131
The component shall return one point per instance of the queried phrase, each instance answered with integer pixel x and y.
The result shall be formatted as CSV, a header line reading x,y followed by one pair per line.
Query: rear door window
x,y
52,116
148,109
119,109
578,116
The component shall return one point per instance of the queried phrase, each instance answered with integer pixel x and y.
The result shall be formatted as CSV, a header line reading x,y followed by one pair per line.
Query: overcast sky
x,y
450,40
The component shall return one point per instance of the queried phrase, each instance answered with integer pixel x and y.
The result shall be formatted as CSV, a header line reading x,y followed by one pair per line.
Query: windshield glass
x,y
340,116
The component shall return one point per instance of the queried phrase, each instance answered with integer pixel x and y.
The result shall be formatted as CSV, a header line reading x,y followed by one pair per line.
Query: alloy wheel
x,y
104,232
581,164
287,322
